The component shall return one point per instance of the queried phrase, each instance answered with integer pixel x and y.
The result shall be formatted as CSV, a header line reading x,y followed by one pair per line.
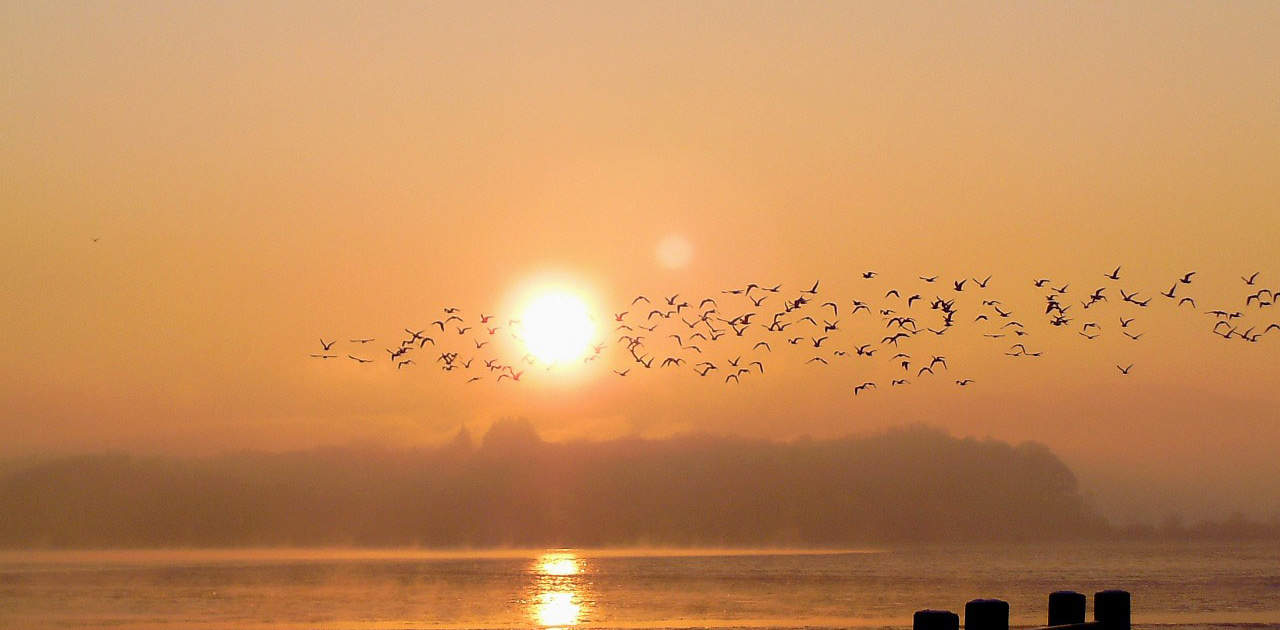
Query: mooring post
x,y
1066,607
935,620
1111,609
986,614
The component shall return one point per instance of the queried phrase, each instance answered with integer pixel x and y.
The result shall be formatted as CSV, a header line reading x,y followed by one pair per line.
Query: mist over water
x,y
219,220
1185,584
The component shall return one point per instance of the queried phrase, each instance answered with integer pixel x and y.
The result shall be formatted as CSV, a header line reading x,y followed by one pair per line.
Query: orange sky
x,y
262,176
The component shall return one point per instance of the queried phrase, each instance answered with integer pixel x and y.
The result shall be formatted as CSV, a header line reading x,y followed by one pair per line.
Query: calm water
x,y
1186,585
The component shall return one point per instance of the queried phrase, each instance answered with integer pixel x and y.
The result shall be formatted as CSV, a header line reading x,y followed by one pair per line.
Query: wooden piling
x,y
1111,609
1066,607
935,620
986,614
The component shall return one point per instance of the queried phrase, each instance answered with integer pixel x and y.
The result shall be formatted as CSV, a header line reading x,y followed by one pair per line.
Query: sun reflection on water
x,y
559,565
558,598
557,608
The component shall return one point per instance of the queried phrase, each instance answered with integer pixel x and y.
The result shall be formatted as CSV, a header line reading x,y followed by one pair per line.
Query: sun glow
x,y
564,565
557,326
558,599
558,609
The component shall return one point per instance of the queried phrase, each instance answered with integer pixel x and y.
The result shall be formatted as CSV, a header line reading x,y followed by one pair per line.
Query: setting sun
x,y
557,326
640,315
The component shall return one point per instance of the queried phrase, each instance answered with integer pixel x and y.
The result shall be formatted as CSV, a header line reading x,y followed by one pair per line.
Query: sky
x,y
262,175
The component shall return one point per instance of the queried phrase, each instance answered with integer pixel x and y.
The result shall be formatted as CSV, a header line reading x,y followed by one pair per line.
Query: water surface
x,y
1184,585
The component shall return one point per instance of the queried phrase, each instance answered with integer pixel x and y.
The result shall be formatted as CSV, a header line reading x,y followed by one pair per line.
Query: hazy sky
x,y
264,174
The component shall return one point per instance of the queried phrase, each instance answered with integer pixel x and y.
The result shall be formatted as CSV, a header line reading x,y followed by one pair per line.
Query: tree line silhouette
x,y
910,484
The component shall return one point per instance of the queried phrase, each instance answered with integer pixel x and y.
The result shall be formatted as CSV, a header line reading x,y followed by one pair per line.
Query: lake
x,y
1186,585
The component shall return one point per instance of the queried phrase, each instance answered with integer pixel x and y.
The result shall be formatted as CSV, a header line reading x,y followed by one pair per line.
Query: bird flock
x,y
733,335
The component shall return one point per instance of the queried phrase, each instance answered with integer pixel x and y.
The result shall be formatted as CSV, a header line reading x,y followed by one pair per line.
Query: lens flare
x,y
674,251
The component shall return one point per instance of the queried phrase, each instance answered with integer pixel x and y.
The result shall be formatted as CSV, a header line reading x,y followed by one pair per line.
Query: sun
x,y
557,327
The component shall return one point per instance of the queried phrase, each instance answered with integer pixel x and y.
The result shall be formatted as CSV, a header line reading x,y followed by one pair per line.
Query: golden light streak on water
x,y
558,599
